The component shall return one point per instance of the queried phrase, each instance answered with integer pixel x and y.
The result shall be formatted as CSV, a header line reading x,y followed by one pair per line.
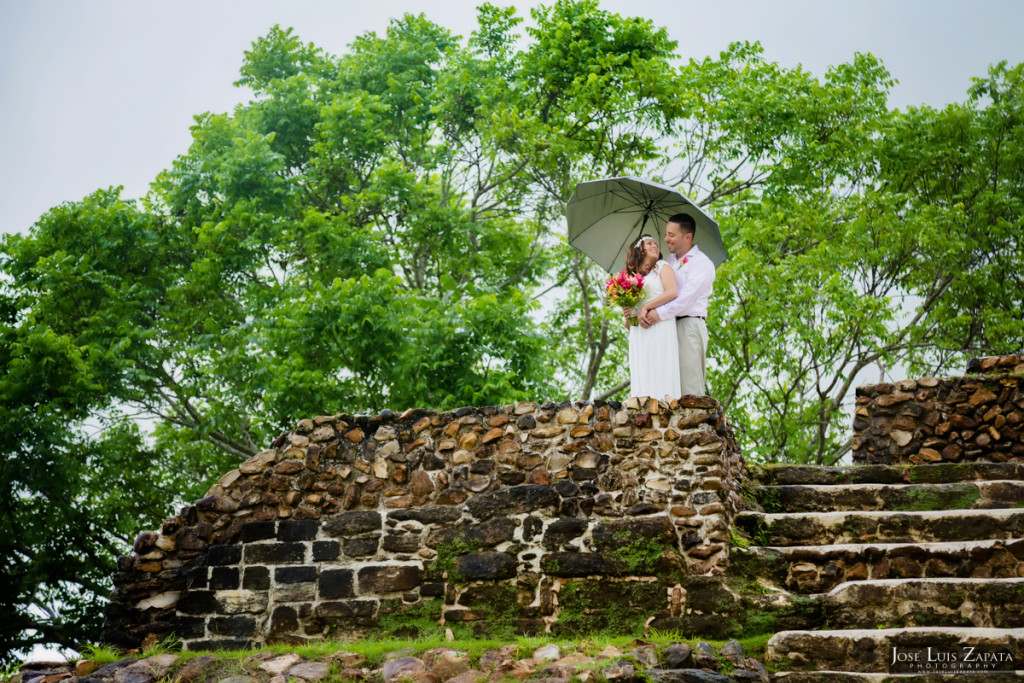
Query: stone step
x,y
873,651
982,603
933,473
823,528
978,495
851,677
818,569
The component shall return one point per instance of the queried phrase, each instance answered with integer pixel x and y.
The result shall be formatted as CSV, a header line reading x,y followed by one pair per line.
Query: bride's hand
x,y
642,313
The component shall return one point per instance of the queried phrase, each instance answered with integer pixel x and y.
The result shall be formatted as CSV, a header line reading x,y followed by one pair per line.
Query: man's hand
x,y
649,319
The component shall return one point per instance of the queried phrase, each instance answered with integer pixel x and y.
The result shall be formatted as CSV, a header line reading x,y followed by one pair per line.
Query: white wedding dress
x,y
654,352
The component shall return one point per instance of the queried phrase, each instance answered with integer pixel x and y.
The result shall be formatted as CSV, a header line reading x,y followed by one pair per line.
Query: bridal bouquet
x,y
626,290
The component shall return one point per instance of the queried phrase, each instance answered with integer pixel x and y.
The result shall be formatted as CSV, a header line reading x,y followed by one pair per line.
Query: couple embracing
x,y
668,349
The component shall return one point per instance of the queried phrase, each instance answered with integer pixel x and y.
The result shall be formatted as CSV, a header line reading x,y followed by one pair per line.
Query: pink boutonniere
x,y
685,259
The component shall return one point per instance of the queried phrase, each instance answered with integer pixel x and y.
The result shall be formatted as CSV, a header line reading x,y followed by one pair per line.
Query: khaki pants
x,y
693,351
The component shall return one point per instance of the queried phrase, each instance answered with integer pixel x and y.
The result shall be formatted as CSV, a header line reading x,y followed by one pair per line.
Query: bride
x,y
653,352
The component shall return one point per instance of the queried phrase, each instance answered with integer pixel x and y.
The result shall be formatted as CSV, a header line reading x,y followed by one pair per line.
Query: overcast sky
x,y
103,92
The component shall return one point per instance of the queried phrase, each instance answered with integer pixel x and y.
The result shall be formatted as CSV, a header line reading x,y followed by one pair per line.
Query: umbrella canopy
x,y
607,216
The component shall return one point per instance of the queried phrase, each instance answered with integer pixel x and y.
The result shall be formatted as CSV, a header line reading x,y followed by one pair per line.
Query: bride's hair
x,y
635,256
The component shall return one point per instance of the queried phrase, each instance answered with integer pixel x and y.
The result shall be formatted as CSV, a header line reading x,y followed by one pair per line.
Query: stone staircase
x,y
921,563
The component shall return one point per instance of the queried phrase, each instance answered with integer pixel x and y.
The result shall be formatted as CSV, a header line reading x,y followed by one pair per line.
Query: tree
x,y
909,257
76,475
367,233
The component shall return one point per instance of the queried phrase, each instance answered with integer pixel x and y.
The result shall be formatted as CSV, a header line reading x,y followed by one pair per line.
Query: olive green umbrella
x,y
607,216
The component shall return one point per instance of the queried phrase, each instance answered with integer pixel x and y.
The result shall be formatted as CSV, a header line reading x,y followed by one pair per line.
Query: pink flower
x,y
685,259
624,289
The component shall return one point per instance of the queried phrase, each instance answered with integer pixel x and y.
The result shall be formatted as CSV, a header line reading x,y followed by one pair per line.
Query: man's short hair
x,y
684,221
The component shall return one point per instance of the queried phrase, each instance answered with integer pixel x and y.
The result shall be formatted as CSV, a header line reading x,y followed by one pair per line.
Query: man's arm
x,y
703,273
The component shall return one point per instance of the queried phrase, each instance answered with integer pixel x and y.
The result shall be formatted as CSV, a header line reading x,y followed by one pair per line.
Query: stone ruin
x,y
538,518
571,518
979,417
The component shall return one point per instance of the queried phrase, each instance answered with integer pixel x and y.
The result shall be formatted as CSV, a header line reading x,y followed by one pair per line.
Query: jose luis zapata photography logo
x,y
957,658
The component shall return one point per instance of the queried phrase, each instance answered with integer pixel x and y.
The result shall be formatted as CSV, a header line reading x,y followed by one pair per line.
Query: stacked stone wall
x,y
975,418
532,518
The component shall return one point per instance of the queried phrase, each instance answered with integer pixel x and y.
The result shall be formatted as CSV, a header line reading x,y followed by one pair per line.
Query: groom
x,y
695,274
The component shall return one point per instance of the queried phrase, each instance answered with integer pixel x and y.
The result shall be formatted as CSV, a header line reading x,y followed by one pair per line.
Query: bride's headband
x,y
641,240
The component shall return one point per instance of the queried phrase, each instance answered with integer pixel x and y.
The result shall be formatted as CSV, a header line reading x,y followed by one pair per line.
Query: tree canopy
x,y
384,229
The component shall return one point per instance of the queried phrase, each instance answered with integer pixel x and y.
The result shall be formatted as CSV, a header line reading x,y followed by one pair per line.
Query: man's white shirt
x,y
694,280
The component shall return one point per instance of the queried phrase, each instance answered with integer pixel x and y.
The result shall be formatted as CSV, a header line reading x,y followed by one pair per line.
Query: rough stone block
x,y
326,551
566,488
511,478
486,566
295,592
343,615
187,627
427,515
346,608
197,577
285,619
198,602
402,543
257,531
352,523
242,601
515,500
432,590
627,532
256,578
573,564
361,547
239,627
274,553
531,527
336,583
294,574
591,606
224,578
487,534
702,498
579,474
389,578
561,531
224,554
304,530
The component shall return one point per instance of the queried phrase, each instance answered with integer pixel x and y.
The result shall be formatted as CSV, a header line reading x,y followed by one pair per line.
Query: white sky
x,y
103,92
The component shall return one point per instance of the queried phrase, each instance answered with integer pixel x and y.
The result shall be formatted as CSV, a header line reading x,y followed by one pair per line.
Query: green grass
x,y
738,539
238,662
101,654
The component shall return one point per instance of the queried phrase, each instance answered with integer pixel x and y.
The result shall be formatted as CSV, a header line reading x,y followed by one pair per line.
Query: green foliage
x,y
770,499
613,608
637,552
738,539
421,620
443,564
498,603
884,239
